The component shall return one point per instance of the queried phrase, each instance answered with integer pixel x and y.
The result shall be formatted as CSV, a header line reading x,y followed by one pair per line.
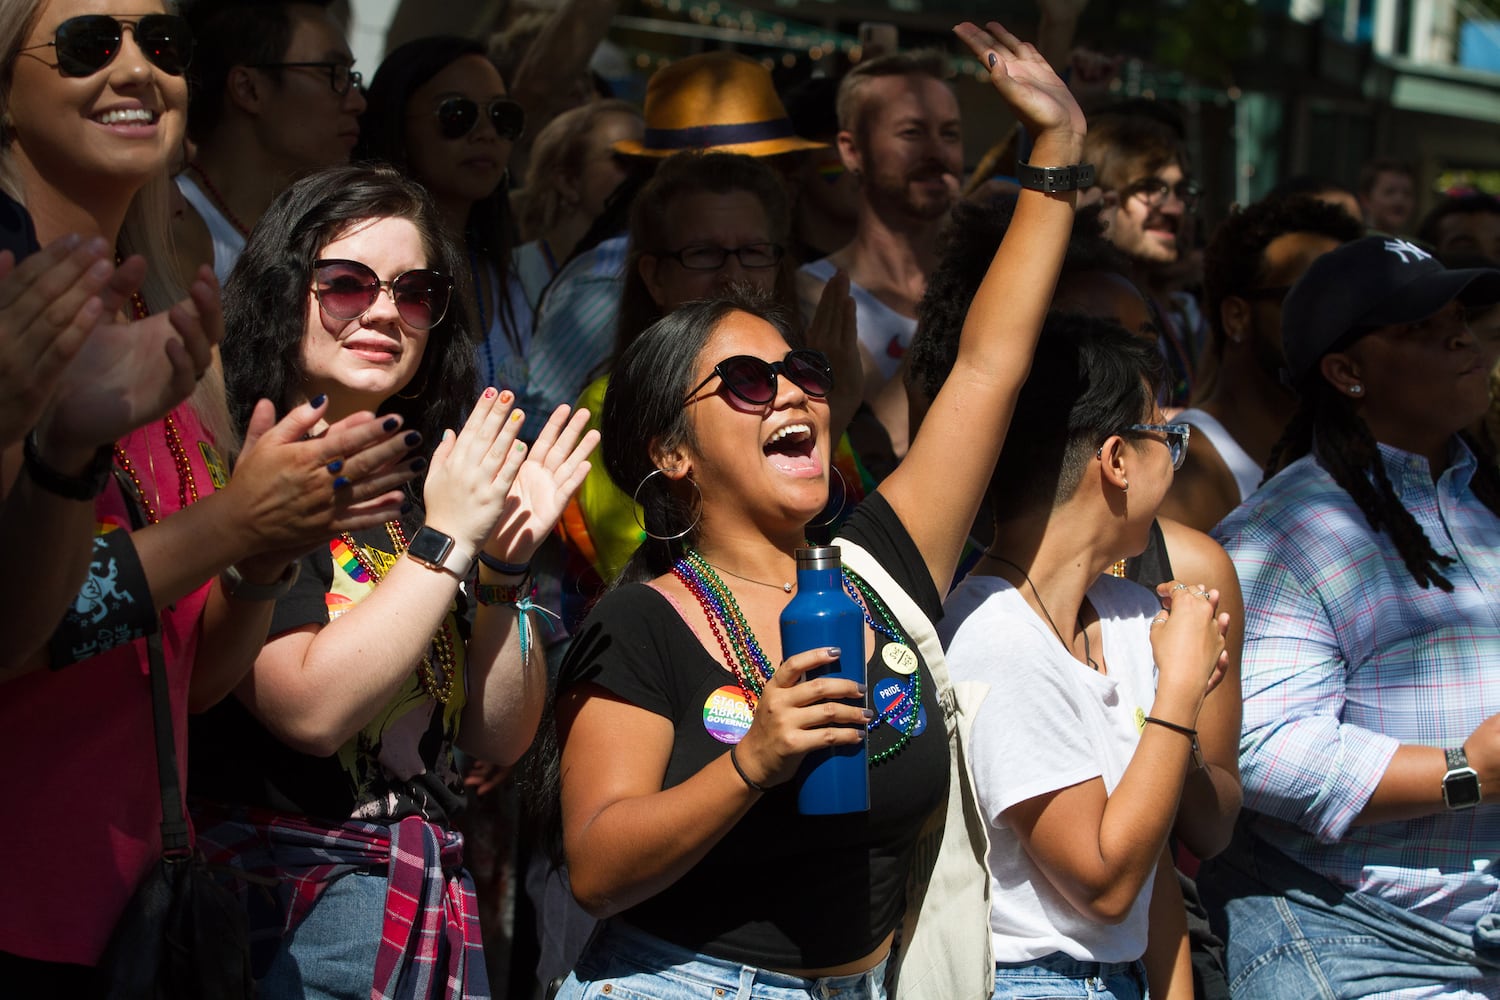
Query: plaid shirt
x,y
1346,658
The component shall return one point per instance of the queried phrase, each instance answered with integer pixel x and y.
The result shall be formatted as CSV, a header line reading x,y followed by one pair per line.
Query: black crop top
x,y
780,890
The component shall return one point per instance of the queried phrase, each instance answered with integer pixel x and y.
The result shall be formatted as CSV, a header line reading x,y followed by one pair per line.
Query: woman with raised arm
x,y
332,767
690,844
94,105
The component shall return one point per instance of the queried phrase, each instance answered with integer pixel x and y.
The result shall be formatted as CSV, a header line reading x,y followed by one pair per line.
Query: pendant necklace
x,y
1088,653
784,587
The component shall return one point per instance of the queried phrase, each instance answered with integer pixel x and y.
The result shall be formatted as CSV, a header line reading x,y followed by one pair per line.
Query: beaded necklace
x,y
187,486
218,200
442,640
748,661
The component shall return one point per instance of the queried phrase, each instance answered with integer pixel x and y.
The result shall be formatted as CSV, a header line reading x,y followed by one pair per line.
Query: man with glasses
x,y
273,97
1148,203
1255,257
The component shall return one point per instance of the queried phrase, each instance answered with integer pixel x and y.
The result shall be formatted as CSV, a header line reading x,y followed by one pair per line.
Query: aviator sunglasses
x,y
88,43
1177,439
346,290
754,380
457,117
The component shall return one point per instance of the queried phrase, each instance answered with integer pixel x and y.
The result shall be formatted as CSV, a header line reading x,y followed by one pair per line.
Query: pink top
x,y
78,753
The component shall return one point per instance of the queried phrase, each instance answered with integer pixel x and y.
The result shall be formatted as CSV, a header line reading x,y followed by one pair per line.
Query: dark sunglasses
x,y
1155,190
754,380
1176,438
457,117
88,43
346,290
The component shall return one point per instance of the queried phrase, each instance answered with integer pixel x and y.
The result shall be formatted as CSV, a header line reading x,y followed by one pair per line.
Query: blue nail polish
x,y
413,439
833,651
336,466
391,423
340,483
317,401
419,465
993,59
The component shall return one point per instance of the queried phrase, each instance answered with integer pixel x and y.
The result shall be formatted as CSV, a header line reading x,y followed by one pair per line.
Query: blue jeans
x,y
331,954
1058,976
622,963
1293,933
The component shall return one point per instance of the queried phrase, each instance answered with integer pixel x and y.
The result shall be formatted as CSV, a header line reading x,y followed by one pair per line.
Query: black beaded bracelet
x,y
741,771
86,486
503,568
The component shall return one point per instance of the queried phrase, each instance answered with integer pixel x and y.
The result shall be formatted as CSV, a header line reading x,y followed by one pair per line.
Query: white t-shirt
x,y
1049,722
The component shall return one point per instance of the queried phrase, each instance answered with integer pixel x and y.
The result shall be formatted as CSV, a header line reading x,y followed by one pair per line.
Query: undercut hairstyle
x,y
656,204
965,250
1090,378
1477,203
1234,262
489,232
1125,148
226,35
644,416
850,101
1371,171
267,299
1327,425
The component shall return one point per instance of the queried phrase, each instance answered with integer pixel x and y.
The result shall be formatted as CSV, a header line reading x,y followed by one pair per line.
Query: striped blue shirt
x,y
1346,658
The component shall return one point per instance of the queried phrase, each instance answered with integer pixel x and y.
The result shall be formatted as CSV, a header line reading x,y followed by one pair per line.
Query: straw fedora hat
x,y
716,101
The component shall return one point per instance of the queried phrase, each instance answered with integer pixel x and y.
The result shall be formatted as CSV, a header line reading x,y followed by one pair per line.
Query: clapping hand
x,y
547,480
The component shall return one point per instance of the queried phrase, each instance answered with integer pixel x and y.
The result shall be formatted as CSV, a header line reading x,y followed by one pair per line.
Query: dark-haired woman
x,y
1371,566
438,111
690,844
330,774
1087,726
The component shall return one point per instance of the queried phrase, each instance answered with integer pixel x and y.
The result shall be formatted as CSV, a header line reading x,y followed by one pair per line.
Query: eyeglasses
x,y
706,257
88,43
1154,191
1177,438
346,290
457,117
754,380
340,76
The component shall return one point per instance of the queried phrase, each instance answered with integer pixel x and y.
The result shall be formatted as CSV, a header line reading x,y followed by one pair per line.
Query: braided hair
x,y
1326,425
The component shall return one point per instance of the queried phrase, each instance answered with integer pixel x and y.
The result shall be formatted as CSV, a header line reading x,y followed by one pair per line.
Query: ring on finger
x,y
1180,586
1159,620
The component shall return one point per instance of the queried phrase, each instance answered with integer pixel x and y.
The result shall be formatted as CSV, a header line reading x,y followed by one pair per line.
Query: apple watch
x,y
438,551
1076,177
1461,783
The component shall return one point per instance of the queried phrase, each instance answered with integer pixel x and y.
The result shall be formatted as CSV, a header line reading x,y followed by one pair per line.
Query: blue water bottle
x,y
823,615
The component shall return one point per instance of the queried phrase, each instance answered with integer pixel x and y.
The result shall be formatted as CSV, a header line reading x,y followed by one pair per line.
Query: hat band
x,y
700,136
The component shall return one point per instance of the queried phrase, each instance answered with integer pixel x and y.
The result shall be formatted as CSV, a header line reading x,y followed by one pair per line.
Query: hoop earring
x,y
639,510
420,389
843,500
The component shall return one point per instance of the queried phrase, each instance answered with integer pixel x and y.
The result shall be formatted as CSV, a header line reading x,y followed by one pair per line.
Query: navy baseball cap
x,y
1369,283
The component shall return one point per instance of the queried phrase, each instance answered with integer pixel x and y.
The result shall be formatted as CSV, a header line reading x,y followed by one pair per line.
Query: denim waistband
x,y
663,958
1073,968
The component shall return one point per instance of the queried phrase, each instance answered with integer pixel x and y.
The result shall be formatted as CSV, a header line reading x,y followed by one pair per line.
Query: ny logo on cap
x,y
1401,248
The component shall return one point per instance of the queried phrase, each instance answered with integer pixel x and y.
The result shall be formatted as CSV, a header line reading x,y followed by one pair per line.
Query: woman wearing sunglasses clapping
x,y
332,766
94,103
691,843
438,111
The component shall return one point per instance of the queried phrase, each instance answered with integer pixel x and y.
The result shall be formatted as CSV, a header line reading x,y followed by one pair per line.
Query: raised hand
x,y
1187,639
833,331
472,472
127,375
1024,79
547,480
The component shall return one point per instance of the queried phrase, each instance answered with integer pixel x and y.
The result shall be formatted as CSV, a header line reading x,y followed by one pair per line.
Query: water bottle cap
x,y
818,557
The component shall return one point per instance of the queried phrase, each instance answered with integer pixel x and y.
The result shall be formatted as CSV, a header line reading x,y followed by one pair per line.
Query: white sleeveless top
x,y
228,241
1246,472
883,331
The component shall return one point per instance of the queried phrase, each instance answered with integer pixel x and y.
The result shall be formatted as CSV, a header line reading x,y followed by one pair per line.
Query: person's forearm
x,y
1210,804
1139,815
506,694
560,54
1412,787
234,631
1168,958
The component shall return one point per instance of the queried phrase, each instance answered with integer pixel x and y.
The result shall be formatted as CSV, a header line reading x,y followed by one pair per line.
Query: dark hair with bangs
x,y
643,414
1090,378
266,298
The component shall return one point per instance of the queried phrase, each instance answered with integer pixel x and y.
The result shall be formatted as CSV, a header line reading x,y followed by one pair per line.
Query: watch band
x,y
1457,759
1075,177
237,587
85,486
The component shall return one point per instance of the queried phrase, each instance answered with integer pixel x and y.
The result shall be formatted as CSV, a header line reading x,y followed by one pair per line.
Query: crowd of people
x,y
1176,550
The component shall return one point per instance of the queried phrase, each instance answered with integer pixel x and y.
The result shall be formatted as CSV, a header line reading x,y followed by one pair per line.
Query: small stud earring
x,y
1356,390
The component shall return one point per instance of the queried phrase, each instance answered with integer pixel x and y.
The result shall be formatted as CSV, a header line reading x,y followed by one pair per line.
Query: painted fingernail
x,y
869,713
391,423
520,446
489,393
515,415
412,439
993,59
506,396
833,651
340,483
317,401
861,687
418,465
336,466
